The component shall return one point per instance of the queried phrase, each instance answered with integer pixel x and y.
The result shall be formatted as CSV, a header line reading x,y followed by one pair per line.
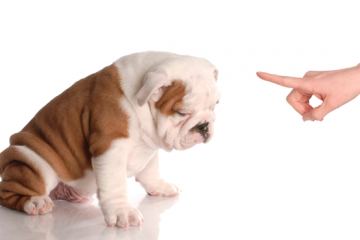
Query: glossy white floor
x,y
85,221
246,200
260,202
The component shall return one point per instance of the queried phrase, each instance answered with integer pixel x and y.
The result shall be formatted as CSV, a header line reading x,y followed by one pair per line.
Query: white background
x,y
266,174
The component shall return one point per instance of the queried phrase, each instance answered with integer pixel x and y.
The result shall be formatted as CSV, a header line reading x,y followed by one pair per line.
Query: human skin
x,y
334,88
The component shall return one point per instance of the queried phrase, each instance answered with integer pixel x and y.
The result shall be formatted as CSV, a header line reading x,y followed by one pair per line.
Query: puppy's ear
x,y
216,74
154,81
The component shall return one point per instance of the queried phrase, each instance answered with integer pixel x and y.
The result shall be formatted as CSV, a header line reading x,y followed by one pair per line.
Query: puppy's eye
x,y
181,114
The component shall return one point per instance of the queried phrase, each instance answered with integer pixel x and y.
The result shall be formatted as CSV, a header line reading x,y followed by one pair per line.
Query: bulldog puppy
x,y
107,127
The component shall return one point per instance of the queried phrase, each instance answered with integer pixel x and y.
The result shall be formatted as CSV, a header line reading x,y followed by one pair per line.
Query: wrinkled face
x,y
184,113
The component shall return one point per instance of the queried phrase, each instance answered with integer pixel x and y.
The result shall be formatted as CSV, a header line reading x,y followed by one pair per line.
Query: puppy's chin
x,y
188,141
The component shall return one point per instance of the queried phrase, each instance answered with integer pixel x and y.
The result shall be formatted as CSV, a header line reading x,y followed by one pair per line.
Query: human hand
x,y
334,88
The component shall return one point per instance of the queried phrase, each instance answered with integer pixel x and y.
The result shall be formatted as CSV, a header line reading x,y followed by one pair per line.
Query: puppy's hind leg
x,y
27,179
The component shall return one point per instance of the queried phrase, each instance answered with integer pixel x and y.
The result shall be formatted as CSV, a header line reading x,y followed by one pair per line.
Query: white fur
x,y
199,76
151,181
36,203
143,75
149,131
86,184
111,174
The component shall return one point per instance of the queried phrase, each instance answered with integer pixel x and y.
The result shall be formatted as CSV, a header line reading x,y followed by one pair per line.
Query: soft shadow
x,y
82,221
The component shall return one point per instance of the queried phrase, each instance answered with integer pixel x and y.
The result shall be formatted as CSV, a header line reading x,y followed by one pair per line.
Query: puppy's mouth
x,y
200,133
192,141
186,145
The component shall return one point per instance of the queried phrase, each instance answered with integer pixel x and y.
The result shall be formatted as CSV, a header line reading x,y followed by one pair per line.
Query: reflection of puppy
x,y
109,126
69,218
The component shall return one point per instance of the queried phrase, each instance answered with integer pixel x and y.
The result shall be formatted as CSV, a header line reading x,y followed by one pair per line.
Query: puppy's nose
x,y
203,127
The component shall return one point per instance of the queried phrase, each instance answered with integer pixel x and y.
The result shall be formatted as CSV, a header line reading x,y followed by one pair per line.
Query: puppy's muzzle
x,y
203,129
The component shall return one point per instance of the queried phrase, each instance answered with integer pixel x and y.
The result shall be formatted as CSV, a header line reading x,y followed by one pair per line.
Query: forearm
x,y
356,76
150,171
110,172
150,179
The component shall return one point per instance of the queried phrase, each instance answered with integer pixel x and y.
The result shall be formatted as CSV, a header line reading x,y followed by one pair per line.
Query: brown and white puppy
x,y
107,127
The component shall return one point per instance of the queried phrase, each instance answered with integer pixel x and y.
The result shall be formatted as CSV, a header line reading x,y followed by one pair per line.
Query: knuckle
x,y
288,98
309,86
309,73
317,115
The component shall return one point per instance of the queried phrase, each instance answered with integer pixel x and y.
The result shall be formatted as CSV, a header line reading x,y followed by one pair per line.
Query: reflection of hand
x,y
334,88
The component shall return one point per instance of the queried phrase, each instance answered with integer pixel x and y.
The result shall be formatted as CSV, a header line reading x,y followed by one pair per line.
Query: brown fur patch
x,y
20,179
79,123
171,100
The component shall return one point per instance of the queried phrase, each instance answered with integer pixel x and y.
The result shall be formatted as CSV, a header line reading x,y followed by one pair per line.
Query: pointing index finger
x,y
290,82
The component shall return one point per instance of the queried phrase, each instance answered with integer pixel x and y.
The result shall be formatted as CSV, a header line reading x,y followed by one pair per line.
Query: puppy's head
x,y
182,94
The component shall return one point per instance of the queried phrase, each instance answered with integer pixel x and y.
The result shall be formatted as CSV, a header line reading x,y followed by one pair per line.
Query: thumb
x,y
318,113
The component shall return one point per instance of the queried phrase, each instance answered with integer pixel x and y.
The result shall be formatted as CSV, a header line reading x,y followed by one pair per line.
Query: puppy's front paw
x,y
161,188
123,216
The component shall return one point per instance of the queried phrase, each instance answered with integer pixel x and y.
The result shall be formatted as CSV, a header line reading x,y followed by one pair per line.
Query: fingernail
x,y
306,119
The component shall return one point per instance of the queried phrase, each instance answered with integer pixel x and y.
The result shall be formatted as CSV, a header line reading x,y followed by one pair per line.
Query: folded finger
x,y
299,101
319,112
